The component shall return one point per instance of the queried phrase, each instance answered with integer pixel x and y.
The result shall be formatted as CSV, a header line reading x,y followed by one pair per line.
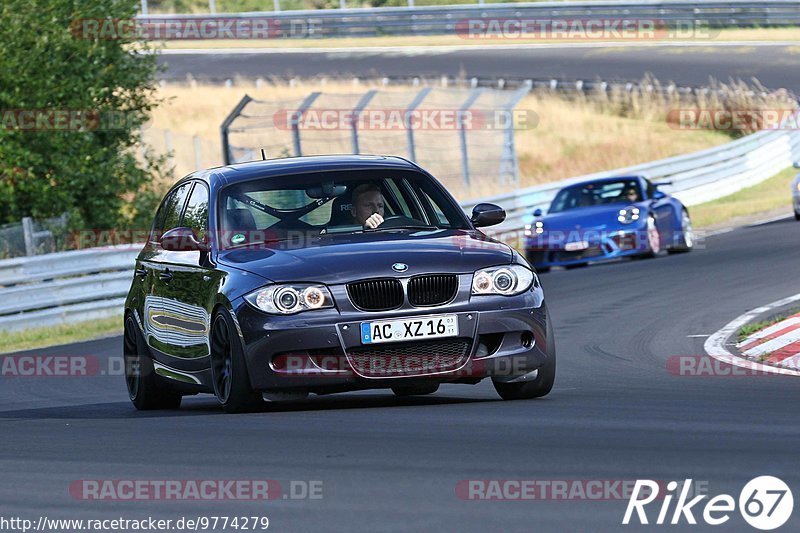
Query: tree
x,y
50,66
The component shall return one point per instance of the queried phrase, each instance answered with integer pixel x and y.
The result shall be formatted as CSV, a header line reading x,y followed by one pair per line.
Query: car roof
x,y
604,180
298,165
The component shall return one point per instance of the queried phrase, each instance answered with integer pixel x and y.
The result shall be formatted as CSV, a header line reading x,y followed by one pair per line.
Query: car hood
x,y
336,259
596,217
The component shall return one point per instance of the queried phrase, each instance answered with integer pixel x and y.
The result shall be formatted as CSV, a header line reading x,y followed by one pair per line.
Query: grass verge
x,y
30,339
772,195
748,329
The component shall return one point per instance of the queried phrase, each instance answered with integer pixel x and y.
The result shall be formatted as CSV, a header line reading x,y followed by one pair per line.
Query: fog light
x,y
527,339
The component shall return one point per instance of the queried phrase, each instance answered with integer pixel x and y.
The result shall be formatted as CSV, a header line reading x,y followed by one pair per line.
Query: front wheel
x,y
653,239
685,242
146,390
228,368
539,386
796,215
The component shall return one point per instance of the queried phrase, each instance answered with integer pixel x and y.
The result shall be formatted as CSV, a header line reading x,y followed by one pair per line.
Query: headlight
x,y
798,186
537,228
506,280
290,299
628,215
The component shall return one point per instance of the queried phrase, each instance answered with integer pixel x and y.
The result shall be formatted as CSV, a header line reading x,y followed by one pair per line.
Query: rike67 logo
x,y
765,502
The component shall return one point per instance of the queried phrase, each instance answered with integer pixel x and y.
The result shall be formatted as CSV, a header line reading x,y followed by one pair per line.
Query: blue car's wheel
x,y
685,240
653,238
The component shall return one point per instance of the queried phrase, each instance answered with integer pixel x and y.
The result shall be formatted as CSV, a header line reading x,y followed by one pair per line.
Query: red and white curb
x,y
781,341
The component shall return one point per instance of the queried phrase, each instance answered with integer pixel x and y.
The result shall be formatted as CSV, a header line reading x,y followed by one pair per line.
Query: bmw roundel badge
x,y
399,267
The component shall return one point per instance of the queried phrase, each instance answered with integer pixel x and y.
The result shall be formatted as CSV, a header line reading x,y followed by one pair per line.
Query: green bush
x,y
48,64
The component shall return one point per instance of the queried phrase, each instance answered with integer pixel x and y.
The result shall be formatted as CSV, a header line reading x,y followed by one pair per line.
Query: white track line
x,y
715,344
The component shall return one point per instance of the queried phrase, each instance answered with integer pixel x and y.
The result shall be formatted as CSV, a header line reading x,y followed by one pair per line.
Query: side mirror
x,y
487,215
658,195
796,164
182,240
537,212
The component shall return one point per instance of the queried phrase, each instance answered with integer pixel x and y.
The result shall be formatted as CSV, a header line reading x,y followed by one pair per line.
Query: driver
x,y
631,194
368,205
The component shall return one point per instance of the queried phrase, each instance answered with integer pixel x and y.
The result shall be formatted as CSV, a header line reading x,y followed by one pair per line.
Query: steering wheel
x,y
395,221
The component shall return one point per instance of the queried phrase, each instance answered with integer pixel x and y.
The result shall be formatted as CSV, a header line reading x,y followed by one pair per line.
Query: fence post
x,y
226,148
295,121
27,233
508,161
473,95
412,151
276,5
198,154
355,114
144,7
212,6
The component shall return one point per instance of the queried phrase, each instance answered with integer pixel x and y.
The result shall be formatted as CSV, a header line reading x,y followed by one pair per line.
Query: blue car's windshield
x,y
599,193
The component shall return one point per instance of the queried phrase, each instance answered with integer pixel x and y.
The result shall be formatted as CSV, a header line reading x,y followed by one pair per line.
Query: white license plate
x,y
575,246
425,327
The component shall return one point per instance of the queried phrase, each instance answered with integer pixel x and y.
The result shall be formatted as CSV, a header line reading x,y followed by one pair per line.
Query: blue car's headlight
x,y
290,299
628,215
506,280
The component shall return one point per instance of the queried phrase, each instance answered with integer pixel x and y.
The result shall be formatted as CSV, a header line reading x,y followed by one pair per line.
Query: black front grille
x,y
409,358
432,289
376,294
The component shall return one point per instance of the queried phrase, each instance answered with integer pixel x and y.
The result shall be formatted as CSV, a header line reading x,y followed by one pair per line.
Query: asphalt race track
x,y
391,464
775,66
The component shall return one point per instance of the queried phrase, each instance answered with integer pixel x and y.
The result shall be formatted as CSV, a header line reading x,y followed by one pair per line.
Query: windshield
x,y
599,193
330,203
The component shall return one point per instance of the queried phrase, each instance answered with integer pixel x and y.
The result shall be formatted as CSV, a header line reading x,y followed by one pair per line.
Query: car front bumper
x,y
549,250
321,351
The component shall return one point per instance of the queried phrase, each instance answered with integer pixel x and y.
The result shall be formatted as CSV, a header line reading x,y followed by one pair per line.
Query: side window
x,y
196,214
440,216
651,189
173,207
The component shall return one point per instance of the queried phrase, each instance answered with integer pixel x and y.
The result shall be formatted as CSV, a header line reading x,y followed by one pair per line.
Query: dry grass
x,y
573,136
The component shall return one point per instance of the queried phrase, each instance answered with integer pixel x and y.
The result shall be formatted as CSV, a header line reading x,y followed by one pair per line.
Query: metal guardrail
x,y
442,20
73,286
51,289
696,178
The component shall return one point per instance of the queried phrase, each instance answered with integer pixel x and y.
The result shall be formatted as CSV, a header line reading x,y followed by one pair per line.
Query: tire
x,y
576,265
146,390
653,239
796,215
228,368
685,242
541,385
415,390
542,270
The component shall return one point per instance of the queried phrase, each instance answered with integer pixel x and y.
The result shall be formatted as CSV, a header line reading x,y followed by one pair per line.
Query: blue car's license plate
x,y
428,327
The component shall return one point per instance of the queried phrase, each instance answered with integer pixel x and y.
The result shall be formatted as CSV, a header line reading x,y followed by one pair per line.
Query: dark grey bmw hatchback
x,y
271,280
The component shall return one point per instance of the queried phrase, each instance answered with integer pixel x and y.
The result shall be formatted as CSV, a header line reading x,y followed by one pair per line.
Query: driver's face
x,y
633,196
366,205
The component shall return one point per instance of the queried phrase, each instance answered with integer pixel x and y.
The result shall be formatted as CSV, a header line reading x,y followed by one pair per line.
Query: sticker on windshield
x,y
238,238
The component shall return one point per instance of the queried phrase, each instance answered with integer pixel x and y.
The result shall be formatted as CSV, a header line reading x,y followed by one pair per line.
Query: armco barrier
x,y
72,286
443,20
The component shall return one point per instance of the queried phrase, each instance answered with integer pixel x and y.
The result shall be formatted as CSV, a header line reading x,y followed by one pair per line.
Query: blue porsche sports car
x,y
603,219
